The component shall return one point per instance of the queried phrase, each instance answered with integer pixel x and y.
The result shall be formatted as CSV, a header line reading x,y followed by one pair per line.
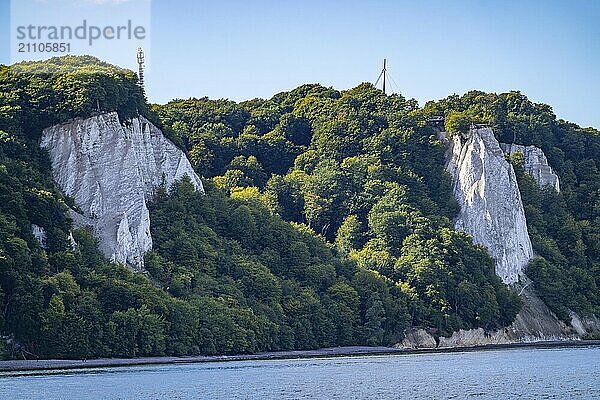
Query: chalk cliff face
x,y
111,170
39,234
535,164
491,210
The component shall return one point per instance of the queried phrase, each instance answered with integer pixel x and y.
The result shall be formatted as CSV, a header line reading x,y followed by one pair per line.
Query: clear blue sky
x,y
550,50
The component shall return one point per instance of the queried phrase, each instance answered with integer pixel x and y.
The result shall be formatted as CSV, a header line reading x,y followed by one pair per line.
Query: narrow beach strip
x,y
40,365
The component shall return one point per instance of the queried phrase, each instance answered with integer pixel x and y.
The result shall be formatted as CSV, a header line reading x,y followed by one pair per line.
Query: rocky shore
x,y
22,366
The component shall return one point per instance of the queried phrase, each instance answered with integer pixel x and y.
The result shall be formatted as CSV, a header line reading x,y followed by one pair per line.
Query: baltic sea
x,y
523,373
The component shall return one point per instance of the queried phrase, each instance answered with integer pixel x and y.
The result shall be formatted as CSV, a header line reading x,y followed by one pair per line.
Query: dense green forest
x,y
326,221
363,171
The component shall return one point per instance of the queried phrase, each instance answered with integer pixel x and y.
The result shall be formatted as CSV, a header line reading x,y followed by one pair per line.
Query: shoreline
x,y
330,352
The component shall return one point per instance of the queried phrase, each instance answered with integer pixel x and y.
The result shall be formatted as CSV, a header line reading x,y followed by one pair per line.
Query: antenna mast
x,y
140,60
384,74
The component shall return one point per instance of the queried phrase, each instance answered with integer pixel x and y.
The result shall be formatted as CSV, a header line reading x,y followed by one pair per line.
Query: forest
x,y
327,221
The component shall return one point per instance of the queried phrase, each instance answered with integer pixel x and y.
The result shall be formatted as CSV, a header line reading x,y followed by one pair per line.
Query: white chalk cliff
x,y
535,164
111,170
491,210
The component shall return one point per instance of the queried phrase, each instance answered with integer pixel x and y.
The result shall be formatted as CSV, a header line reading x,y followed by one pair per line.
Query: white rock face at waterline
x,y
535,164
111,170
491,210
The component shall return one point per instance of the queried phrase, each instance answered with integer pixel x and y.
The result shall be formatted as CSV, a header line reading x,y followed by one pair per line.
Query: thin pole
x,y
384,72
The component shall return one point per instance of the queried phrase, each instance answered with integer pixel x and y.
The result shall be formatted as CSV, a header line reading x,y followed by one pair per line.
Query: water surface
x,y
557,373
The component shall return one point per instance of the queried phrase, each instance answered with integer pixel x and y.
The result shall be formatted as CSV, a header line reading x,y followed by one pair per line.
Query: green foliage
x,y
457,122
349,235
136,332
364,171
262,284
39,94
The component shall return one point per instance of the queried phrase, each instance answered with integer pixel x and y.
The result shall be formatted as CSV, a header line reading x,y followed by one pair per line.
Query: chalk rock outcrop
x,y
534,323
111,170
39,234
473,338
417,339
588,326
491,210
535,164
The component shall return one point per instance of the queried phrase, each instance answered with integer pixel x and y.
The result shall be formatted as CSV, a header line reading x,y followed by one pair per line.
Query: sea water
x,y
524,373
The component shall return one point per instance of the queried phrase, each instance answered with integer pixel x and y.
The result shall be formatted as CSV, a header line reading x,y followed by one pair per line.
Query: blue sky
x,y
550,50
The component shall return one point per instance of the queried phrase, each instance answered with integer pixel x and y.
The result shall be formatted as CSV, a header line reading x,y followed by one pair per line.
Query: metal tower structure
x,y
140,60
383,74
